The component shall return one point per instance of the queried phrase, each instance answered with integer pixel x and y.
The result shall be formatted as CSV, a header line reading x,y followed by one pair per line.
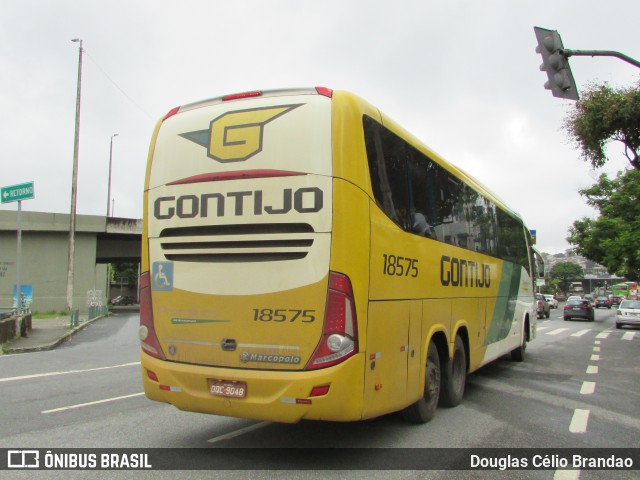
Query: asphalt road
x,y
579,387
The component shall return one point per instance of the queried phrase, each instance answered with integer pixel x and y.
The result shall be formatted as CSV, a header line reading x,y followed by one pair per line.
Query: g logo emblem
x,y
237,136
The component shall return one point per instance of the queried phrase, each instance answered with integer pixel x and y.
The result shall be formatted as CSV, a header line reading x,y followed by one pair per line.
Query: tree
x,y
613,239
124,273
565,273
602,115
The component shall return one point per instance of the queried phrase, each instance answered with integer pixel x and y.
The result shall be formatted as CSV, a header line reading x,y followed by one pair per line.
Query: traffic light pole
x,y
599,53
555,62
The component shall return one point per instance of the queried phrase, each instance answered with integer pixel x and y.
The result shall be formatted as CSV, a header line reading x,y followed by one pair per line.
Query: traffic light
x,y
556,64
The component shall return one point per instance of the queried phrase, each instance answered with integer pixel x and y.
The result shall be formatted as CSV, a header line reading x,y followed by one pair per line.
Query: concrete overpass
x,y
45,242
120,241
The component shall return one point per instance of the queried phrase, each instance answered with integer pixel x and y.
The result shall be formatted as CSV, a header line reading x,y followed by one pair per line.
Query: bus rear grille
x,y
237,243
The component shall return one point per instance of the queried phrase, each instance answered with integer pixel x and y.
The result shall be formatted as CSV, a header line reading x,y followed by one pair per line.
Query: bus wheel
x,y
424,409
517,355
454,376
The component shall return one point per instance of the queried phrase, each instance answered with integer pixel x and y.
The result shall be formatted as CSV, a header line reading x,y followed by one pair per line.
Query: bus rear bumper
x,y
276,396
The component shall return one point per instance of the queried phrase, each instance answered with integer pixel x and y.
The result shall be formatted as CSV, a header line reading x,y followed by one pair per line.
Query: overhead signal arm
x,y
600,53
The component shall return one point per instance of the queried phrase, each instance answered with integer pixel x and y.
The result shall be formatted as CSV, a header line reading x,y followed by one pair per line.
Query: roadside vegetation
x,y
49,314
604,115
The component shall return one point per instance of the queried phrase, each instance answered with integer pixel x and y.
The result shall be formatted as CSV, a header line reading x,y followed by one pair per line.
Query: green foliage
x,y
125,272
49,314
602,115
552,286
613,239
563,273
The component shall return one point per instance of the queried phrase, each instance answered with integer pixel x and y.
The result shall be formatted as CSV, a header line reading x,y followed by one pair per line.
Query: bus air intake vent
x,y
237,243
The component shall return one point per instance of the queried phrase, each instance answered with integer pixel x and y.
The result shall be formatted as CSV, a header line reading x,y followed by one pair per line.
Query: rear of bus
x,y
245,309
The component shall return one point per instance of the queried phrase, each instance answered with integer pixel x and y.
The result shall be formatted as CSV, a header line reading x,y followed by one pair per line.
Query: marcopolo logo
x,y
237,136
246,357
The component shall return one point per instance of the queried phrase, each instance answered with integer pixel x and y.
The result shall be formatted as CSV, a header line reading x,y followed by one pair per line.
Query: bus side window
x,y
387,159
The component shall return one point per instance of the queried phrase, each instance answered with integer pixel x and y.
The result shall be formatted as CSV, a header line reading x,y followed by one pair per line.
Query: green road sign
x,y
23,191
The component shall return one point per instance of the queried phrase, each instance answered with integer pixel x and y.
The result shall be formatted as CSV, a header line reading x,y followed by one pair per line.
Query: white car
x,y
628,313
551,300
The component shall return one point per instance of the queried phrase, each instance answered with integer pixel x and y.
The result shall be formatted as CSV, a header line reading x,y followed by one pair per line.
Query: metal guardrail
x,y
6,312
98,311
74,321
93,312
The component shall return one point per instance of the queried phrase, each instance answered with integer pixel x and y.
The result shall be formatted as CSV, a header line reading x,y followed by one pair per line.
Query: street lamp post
x,y
74,186
109,211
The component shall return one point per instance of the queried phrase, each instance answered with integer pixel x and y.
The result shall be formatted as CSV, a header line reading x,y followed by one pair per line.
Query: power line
x,y
118,86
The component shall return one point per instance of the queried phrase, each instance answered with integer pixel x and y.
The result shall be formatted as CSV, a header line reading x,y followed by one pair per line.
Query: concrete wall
x,y
44,267
45,244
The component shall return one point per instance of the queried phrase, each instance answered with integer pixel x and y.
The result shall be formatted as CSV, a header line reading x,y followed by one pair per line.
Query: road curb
x,y
8,350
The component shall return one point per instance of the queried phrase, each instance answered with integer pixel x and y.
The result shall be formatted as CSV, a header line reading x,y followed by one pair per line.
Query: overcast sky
x,y
460,75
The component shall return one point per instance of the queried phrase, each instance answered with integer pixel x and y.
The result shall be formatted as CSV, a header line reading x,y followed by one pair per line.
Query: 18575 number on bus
x,y
398,266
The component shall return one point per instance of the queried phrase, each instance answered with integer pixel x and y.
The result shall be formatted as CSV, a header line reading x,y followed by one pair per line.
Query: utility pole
x,y
109,210
74,187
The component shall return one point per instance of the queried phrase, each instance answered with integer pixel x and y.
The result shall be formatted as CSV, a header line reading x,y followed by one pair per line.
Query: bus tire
x,y
454,376
424,409
517,355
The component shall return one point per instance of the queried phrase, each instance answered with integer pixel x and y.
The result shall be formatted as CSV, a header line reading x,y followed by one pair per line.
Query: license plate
x,y
227,388
576,309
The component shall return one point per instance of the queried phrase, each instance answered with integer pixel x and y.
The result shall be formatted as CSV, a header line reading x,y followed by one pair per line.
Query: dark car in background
x,y
123,300
543,309
602,302
578,308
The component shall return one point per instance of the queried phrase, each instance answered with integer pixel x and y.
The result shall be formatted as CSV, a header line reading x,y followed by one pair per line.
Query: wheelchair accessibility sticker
x,y
162,276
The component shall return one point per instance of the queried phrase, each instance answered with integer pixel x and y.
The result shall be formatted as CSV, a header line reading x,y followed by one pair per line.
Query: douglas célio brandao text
x,y
543,462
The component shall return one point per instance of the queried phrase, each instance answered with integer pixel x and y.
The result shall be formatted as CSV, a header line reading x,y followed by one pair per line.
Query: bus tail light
x,y
147,333
171,113
327,92
339,339
242,95
319,391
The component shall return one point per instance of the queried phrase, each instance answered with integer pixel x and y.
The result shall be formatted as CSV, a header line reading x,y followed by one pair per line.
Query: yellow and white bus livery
x,y
304,257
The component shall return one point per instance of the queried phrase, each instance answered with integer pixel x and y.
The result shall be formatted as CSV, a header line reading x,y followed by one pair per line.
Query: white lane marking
x,y
80,405
595,358
579,421
596,349
237,433
592,369
581,332
588,388
628,335
51,374
541,328
557,331
604,334
566,475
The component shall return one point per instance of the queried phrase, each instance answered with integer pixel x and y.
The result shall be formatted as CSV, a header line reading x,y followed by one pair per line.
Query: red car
x,y
604,302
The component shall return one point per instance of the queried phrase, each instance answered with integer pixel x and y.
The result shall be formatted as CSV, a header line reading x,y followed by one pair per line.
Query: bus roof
x,y
387,122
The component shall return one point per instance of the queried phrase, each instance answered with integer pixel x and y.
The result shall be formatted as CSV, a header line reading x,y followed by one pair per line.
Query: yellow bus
x,y
304,257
